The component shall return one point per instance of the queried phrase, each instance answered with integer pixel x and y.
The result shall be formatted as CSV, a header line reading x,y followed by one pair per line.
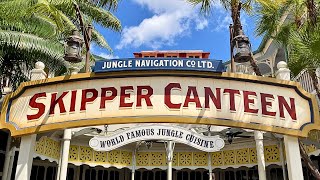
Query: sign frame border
x,y
315,123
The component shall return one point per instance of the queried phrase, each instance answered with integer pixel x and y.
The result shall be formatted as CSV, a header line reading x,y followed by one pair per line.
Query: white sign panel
x,y
158,132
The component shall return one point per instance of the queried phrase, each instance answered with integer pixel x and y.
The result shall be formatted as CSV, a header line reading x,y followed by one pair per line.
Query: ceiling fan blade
x,y
212,133
244,136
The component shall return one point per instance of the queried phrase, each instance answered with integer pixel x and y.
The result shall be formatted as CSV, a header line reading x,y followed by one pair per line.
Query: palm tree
x,y
63,14
35,30
24,40
312,12
298,37
235,7
301,39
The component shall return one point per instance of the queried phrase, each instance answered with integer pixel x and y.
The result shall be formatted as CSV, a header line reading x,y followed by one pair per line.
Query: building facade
x,y
148,159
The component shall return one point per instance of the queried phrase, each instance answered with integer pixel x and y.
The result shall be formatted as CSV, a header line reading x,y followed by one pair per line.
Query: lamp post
x,y
240,46
86,32
74,43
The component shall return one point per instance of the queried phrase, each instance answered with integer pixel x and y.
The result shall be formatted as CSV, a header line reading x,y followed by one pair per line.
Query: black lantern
x,y
73,48
241,48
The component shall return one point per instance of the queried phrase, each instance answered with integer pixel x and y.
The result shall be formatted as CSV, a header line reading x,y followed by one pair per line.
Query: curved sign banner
x,y
160,97
158,132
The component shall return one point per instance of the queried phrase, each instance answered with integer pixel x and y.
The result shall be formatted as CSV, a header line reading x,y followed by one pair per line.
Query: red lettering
x,y
146,97
265,104
232,93
167,95
73,100
34,104
291,110
195,99
104,96
85,99
247,101
59,101
123,96
215,99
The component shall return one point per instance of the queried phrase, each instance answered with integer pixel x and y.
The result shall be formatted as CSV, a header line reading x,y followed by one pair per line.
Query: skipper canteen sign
x,y
167,133
147,64
226,99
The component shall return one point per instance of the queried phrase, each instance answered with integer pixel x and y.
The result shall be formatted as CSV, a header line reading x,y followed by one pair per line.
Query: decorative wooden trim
x,y
150,160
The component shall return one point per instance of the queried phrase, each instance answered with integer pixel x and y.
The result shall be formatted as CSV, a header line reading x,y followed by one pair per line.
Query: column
x,y
7,159
209,158
293,158
133,164
59,162
65,154
209,166
27,143
12,154
290,142
169,150
25,157
258,137
63,161
283,164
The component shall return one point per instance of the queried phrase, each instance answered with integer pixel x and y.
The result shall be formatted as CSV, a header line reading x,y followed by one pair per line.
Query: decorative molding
x,y
49,149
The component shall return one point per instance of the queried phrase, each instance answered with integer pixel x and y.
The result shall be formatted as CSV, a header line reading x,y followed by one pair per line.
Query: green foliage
x,y
206,5
63,14
297,35
268,17
304,45
25,39
34,30
98,38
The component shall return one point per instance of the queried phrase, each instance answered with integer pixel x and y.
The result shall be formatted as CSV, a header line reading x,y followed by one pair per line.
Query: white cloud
x,y
108,56
223,23
154,32
201,24
224,20
164,6
172,19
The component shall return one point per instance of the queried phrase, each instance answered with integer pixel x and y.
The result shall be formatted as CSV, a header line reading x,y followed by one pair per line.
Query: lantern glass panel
x,y
242,51
242,47
73,48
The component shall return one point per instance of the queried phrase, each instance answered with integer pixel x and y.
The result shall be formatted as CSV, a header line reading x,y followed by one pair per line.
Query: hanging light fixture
x,y
73,48
241,48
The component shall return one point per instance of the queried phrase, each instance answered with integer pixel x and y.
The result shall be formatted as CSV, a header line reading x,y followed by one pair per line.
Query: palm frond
x,y
304,49
46,9
268,16
100,40
101,16
107,4
34,45
205,5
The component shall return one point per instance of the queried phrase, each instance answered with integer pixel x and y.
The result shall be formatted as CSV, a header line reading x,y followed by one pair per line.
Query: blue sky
x,y
171,25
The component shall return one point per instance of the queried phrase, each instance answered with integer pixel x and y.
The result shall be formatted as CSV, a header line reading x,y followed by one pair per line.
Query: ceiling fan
x,y
229,133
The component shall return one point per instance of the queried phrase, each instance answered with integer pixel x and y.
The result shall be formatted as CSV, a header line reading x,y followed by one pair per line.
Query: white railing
x,y
305,80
